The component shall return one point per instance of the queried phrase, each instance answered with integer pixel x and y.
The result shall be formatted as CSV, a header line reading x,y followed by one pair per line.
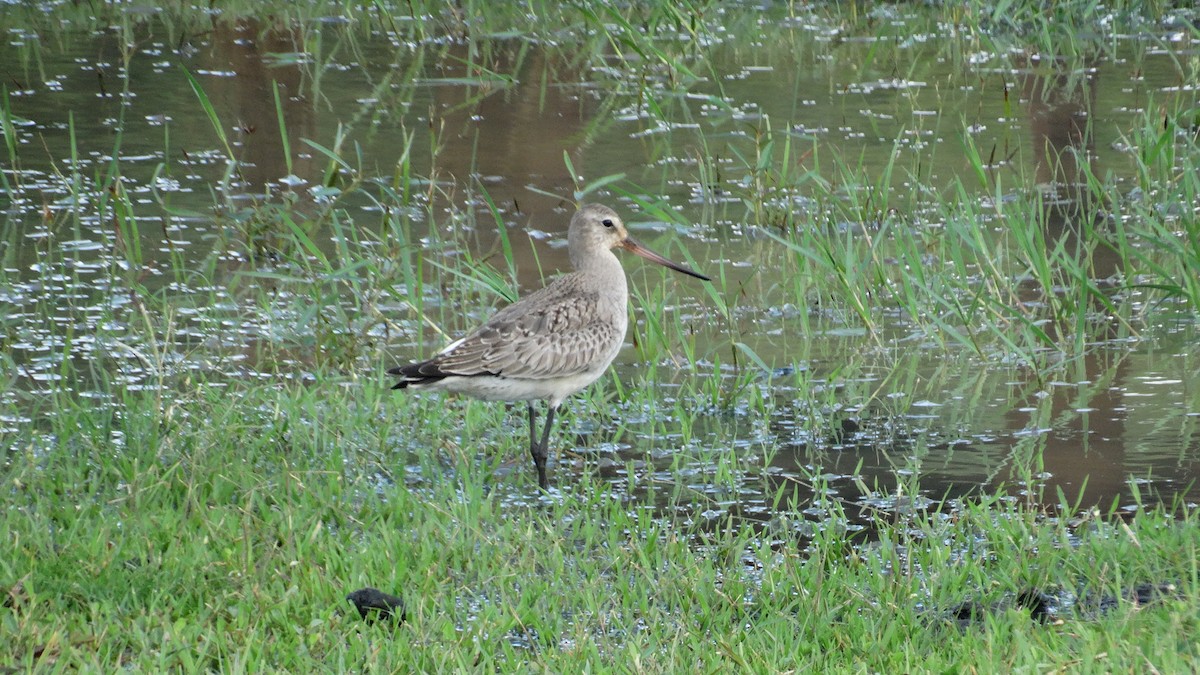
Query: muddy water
x,y
885,420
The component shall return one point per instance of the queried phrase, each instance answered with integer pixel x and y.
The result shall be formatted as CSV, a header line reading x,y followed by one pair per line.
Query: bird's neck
x,y
602,260
605,265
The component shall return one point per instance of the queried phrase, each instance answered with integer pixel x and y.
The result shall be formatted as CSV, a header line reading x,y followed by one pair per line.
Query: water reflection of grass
x,y
169,511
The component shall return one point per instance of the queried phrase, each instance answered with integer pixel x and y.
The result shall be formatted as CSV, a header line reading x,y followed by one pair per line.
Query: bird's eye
x,y
608,222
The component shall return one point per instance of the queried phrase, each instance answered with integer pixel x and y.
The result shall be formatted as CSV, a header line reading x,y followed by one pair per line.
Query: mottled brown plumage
x,y
551,343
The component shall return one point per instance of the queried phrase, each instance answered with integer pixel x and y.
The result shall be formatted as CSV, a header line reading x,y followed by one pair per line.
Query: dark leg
x,y
539,450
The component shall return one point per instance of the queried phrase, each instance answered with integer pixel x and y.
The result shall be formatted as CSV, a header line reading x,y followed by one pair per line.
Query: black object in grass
x,y
373,604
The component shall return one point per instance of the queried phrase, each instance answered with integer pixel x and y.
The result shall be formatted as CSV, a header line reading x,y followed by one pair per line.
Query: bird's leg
x,y
538,450
545,445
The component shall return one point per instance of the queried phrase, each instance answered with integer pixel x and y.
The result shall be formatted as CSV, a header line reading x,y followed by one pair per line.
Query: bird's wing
x,y
544,335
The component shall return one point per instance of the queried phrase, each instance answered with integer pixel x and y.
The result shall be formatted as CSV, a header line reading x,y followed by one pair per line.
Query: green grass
x,y
219,531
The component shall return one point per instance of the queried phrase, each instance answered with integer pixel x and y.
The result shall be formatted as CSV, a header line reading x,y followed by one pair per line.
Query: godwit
x,y
551,343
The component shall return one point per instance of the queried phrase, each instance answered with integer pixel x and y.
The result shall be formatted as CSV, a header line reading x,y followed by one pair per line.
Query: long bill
x,y
631,245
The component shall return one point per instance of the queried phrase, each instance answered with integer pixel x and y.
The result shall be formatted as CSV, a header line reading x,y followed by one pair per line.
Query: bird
x,y
551,343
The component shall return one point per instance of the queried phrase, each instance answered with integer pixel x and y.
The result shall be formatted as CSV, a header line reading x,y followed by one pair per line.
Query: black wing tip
x,y
418,371
416,374
427,372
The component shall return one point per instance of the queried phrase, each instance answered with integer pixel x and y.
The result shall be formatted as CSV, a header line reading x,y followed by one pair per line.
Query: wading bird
x,y
550,343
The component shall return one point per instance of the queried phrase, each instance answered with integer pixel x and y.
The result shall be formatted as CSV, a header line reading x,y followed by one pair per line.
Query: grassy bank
x,y
223,528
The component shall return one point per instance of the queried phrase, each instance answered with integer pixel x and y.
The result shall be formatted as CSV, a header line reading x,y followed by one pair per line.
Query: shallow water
x,y
886,419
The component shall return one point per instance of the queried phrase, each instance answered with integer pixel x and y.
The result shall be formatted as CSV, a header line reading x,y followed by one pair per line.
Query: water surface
x,y
435,132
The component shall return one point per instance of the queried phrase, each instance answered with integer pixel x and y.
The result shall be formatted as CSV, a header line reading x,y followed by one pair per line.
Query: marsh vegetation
x,y
944,367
